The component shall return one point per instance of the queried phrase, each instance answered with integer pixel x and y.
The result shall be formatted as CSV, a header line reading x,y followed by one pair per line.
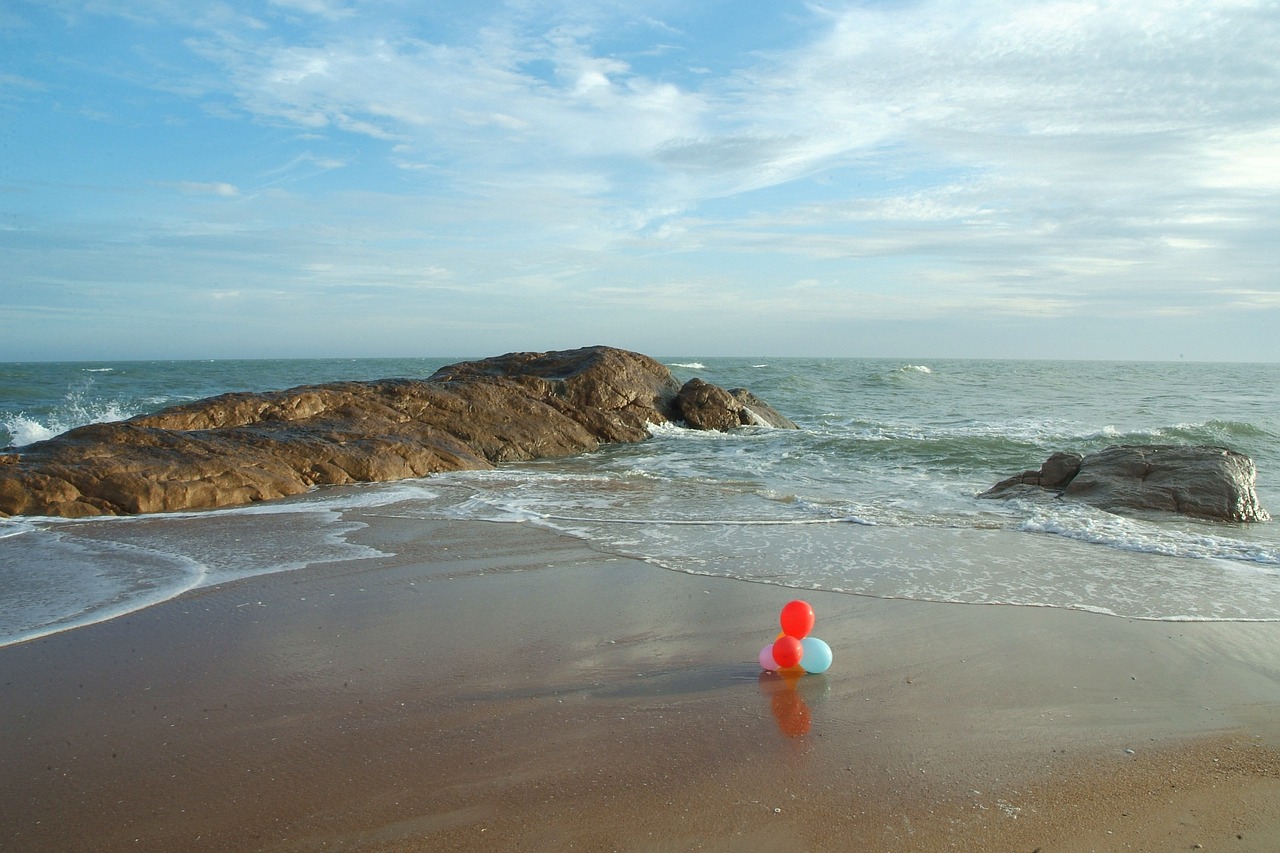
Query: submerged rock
x,y
1200,481
244,447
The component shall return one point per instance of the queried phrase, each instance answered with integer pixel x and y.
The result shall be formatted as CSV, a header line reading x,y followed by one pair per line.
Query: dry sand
x,y
497,687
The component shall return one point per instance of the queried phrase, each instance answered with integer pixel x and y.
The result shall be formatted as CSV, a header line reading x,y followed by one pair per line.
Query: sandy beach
x,y
500,687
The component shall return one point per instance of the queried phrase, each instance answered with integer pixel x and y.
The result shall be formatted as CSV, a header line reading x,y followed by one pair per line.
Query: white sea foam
x,y
24,430
70,573
973,557
670,429
331,500
54,580
1098,528
707,522
15,527
689,365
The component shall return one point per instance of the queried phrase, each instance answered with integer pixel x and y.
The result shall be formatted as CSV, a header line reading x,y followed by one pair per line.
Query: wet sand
x,y
498,687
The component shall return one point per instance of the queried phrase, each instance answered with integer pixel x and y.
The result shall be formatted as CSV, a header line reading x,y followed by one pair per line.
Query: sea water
x,y
875,495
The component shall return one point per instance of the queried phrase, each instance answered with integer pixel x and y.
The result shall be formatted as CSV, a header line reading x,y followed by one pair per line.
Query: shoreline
x,y
499,686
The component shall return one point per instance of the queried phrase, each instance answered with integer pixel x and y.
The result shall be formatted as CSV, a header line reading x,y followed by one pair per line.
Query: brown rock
x,y
239,448
702,405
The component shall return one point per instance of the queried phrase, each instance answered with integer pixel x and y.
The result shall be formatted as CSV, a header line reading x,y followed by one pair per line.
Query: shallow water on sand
x,y
874,495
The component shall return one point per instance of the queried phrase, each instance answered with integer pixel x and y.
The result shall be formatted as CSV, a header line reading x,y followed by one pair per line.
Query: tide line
x,y
713,522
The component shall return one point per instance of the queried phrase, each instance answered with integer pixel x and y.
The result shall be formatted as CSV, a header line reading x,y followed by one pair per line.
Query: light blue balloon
x,y
817,655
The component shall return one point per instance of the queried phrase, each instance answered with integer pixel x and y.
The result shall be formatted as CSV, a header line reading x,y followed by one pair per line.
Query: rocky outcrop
x,y
239,448
1200,481
702,405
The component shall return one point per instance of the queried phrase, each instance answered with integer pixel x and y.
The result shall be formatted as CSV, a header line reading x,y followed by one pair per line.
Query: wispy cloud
x,y
934,158
197,188
327,9
1061,95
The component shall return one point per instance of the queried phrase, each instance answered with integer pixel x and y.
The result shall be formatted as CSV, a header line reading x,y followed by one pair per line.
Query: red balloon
x,y
797,619
787,651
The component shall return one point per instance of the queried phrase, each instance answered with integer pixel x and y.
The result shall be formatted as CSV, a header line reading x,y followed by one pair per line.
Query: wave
x,y
1207,432
677,429
14,527
1217,432
712,522
54,581
969,564
24,429
688,365
71,573
79,406
902,373
1127,534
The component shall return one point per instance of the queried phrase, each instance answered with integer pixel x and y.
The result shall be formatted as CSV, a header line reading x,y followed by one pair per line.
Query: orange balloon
x,y
787,651
797,619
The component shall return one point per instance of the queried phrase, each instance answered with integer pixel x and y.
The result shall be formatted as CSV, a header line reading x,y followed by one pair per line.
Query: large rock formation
x,y
244,447
1200,481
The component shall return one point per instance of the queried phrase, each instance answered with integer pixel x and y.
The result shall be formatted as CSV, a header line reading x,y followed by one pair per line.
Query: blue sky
x,y
938,178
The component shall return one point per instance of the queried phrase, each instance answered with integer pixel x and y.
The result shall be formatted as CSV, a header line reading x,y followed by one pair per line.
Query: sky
x,y
935,178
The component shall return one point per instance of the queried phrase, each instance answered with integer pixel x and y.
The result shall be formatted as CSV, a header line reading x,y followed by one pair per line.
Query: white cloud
x,y
216,188
321,8
11,84
938,157
1264,300
1243,160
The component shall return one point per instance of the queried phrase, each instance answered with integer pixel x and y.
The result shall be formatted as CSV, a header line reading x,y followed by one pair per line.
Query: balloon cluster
x,y
794,650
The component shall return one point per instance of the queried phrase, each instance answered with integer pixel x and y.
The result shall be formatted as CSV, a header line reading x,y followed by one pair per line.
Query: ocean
x,y
875,495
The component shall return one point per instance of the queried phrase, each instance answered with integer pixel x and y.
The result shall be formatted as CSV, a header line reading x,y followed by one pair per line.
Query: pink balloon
x,y
766,659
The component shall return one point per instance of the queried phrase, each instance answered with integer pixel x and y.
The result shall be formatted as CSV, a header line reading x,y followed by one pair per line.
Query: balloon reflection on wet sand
x,y
792,697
